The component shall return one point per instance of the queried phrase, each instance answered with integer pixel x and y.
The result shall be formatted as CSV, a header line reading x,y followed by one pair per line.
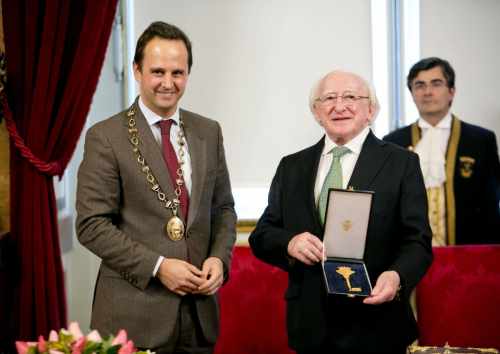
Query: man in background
x,y
154,203
398,244
459,160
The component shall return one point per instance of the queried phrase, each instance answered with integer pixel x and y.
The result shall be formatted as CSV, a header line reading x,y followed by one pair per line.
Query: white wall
x,y
254,63
466,33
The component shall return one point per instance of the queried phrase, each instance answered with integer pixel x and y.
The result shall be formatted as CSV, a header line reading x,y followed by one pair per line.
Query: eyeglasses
x,y
422,86
348,99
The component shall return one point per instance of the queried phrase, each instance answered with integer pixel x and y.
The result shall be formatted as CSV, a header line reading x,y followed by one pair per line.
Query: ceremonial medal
x,y
175,228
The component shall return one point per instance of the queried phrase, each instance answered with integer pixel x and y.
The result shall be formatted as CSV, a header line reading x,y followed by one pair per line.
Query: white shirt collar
x,y
154,118
354,144
444,123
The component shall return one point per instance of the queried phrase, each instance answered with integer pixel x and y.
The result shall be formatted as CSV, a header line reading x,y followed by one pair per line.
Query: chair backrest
x,y
252,308
458,300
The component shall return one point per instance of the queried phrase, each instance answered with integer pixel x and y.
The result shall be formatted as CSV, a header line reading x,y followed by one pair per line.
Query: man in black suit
x,y
398,245
459,160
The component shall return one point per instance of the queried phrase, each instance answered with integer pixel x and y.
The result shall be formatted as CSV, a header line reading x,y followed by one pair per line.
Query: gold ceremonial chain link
x,y
155,187
180,173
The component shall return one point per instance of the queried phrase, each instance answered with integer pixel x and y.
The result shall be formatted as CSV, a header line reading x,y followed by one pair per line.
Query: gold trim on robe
x,y
451,158
437,215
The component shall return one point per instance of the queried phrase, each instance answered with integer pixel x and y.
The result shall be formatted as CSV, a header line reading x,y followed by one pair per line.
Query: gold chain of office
x,y
174,228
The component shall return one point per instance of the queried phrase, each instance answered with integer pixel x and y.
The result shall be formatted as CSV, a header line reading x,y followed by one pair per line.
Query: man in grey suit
x,y
154,203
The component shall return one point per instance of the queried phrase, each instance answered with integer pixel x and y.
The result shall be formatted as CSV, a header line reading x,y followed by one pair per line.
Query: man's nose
x,y
339,105
428,89
167,81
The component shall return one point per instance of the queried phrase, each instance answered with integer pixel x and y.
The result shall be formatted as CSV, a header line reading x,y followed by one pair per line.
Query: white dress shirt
x,y
348,161
153,119
431,150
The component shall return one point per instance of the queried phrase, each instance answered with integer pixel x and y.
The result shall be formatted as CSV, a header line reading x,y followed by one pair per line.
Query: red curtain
x,y
54,50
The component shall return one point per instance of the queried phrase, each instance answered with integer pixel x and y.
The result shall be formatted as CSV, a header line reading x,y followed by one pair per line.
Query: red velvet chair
x,y
458,300
252,308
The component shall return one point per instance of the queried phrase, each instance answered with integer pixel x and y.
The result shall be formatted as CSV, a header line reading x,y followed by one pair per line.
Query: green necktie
x,y
333,179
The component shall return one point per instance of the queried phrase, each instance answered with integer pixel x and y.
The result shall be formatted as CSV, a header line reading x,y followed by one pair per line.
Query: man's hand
x,y
212,274
306,247
179,276
385,289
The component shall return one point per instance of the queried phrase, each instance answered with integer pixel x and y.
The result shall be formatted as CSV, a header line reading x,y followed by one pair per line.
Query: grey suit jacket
x,y
121,220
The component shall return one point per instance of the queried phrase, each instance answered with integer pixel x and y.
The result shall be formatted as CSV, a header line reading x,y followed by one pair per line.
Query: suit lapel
x,y
197,154
370,161
151,151
309,169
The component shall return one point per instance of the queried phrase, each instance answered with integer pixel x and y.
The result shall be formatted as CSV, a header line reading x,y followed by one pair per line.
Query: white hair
x,y
314,93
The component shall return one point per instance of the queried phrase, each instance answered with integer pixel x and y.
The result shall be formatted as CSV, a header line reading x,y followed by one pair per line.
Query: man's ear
x,y
452,92
316,115
371,113
137,72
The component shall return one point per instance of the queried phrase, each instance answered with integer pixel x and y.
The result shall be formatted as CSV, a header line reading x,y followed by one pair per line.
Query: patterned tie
x,y
333,179
173,164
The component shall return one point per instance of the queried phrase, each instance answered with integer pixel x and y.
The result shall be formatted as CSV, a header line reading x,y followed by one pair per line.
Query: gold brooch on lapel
x,y
466,166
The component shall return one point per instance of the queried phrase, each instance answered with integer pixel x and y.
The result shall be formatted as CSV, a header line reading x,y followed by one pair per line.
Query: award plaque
x,y
346,225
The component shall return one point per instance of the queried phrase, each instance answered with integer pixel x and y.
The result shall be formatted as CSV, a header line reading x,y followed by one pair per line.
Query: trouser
x,y
188,335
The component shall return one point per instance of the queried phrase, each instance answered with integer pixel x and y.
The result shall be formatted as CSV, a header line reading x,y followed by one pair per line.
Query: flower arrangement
x,y
72,341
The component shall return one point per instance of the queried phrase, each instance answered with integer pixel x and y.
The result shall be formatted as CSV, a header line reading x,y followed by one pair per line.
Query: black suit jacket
x,y
399,238
476,194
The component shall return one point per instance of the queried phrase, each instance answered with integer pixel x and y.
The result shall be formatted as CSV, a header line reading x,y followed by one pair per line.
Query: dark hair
x,y
429,63
162,30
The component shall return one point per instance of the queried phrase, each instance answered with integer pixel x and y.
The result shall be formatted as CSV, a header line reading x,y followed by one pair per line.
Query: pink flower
x,y
78,346
42,344
53,337
22,347
128,348
121,338
94,336
75,330
74,340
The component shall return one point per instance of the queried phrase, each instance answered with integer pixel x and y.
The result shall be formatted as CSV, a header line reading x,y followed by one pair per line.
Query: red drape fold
x,y
54,50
